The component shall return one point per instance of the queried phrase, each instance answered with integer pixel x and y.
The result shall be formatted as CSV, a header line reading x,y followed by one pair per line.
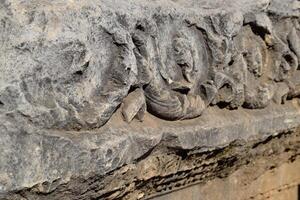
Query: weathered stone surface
x,y
187,75
258,181
164,168
70,66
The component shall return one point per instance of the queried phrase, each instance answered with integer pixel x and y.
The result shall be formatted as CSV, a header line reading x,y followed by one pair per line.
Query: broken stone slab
x,y
31,156
67,69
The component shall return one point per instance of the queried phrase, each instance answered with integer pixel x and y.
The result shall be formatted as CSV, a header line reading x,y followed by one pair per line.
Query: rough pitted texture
x,y
87,87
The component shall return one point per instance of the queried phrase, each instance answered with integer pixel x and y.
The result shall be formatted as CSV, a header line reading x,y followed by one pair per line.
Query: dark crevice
x,y
231,62
292,50
222,104
298,193
182,90
131,89
214,153
257,30
182,153
139,26
81,71
289,59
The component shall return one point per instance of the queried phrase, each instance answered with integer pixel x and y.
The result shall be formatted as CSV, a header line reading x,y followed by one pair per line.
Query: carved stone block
x,y
89,86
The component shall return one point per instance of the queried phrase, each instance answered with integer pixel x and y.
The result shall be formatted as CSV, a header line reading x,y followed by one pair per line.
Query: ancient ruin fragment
x,y
130,99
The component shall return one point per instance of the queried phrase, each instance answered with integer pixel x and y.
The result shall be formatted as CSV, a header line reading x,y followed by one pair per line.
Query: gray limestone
x,y
89,86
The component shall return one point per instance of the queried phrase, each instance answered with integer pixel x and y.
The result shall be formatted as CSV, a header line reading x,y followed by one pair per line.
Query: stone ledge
x,y
63,156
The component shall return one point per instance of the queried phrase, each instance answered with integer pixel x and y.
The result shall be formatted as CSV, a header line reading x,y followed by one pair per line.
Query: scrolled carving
x,y
171,67
261,70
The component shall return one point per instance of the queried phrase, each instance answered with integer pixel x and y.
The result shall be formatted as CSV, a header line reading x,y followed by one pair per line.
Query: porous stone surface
x,y
259,180
91,88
